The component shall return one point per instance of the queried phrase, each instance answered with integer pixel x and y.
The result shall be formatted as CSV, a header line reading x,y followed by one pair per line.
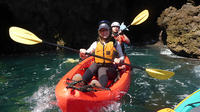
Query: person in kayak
x,y
119,36
106,47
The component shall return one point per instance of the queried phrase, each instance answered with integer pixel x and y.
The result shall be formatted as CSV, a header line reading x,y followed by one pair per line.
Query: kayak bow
x,y
73,100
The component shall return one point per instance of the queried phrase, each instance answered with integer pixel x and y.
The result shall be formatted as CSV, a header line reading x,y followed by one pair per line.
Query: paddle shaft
x,y
77,51
128,26
68,48
74,50
132,66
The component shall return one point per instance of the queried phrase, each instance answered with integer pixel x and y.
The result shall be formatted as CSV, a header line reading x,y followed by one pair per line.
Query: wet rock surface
x,y
182,28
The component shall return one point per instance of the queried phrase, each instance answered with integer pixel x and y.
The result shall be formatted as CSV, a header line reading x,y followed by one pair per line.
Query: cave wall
x,y
76,21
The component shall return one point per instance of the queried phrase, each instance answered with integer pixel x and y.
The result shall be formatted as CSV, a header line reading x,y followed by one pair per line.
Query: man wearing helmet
x,y
118,35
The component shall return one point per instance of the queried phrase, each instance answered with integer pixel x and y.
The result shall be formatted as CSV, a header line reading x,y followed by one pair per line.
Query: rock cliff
x,y
182,27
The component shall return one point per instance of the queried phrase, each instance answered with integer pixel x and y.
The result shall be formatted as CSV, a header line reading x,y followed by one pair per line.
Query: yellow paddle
x,y
71,60
140,18
156,73
166,110
159,74
23,36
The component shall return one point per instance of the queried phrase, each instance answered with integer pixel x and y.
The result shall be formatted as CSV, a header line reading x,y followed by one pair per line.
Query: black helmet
x,y
104,21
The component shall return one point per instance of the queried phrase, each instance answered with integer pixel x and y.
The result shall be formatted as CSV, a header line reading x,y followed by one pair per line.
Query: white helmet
x,y
115,24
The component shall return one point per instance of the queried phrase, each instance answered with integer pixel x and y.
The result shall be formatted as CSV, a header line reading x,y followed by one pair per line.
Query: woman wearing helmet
x,y
103,47
118,35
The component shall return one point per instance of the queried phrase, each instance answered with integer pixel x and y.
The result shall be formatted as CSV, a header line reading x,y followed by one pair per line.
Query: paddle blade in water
x,y
23,36
166,110
71,60
160,74
140,18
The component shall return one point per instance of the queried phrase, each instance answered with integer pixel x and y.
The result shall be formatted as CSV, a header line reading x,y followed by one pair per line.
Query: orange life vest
x,y
108,51
120,39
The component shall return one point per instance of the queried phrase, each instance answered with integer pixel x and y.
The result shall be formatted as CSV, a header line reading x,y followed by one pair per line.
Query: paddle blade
x,y
166,110
159,74
141,17
23,36
71,60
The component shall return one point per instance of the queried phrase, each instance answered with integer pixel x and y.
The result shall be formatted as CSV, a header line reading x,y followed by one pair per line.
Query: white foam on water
x,y
138,54
161,89
42,99
145,84
181,83
46,68
168,102
130,97
117,106
183,96
175,68
196,70
114,107
167,52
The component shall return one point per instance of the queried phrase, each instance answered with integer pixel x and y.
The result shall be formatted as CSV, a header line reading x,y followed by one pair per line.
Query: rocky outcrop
x,y
182,27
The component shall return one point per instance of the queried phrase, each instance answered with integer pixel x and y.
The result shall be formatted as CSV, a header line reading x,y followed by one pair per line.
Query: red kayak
x,y
71,99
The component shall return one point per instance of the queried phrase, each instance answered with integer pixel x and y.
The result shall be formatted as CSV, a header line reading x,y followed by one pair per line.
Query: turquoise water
x,y
27,82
